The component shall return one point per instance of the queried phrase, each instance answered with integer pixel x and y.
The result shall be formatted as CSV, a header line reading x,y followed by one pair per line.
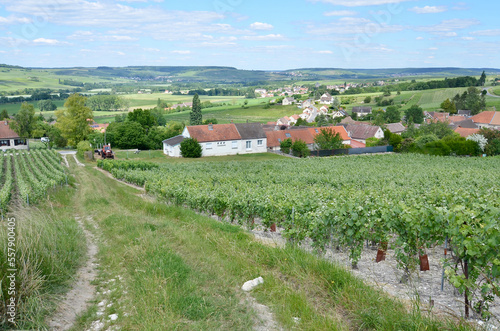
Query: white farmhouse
x,y
9,139
221,139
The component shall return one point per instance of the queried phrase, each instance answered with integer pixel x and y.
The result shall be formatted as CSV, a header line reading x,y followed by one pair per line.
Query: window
x,y
288,135
249,144
221,143
235,145
279,139
208,146
4,142
260,142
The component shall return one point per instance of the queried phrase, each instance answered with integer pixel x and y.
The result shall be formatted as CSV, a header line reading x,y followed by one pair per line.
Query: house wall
x,y
239,147
12,145
173,151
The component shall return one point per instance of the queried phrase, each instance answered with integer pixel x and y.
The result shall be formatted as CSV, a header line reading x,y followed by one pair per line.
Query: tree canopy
x,y
74,120
191,148
24,120
328,139
414,114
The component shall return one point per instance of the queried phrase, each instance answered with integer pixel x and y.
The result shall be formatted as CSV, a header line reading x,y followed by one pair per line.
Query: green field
x,y
495,91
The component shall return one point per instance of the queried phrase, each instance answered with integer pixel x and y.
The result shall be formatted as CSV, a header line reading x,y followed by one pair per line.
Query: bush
x,y
191,148
82,147
299,149
285,145
422,141
493,147
438,147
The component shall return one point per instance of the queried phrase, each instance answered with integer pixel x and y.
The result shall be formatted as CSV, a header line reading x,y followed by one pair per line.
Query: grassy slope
x,y
175,269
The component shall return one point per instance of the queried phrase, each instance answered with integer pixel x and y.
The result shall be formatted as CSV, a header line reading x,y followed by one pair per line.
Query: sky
x,y
251,34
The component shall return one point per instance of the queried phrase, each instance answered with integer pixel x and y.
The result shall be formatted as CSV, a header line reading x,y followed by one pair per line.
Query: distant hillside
x,y
15,77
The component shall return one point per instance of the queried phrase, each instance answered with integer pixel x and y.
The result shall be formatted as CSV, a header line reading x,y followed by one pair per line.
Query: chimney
x,y
210,127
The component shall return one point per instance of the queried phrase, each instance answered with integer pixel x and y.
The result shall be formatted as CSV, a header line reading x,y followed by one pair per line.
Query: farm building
x,y
487,119
221,139
9,139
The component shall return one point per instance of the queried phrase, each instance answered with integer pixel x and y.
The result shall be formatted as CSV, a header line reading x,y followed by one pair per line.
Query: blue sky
x,y
251,34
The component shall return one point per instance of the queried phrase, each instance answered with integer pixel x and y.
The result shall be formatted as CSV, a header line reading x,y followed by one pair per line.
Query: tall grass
x,y
49,248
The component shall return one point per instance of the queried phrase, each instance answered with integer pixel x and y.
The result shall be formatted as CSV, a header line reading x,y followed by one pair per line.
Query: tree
x,y
414,114
368,99
328,139
299,149
321,120
482,79
24,120
143,117
210,121
46,105
129,134
285,145
392,115
336,103
4,114
191,148
195,117
448,106
73,121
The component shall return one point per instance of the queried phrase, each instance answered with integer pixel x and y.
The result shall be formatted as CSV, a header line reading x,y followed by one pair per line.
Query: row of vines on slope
x,y
35,173
412,201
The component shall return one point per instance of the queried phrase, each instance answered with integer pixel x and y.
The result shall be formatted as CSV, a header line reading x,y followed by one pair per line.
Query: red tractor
x,y
106,152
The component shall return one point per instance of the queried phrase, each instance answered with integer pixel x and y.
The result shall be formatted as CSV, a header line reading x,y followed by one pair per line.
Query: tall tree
x,y
24,120
392,114
4,114
143,117
73,121
482,79
195,117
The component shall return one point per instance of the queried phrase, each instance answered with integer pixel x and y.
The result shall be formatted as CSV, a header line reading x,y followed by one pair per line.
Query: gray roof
x,y
395,127
362,131
464,112
250,130
468,124
174,140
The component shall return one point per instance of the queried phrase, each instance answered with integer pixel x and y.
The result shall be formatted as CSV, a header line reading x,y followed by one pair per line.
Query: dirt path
x,y
77,299
264,320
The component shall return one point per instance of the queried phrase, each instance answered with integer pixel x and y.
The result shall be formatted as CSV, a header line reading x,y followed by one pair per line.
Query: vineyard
x,y
409,202
30,174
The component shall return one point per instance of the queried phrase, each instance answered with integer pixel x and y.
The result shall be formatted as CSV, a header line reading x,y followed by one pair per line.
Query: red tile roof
x,y
486,117
219,132
274,138
465,132
6,131
336,129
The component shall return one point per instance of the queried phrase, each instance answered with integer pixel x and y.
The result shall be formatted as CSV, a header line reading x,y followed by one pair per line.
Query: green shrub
x,y
191,148
82,147
438,147
285,145
299,149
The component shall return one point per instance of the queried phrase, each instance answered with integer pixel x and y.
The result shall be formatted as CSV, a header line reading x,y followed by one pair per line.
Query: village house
x,y
307,134
9,139
362,132
396,128
288,101
361,111
221,139
326,99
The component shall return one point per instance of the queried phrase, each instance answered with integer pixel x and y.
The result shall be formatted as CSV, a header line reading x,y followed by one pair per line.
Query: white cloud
x,y
359,3
324,52
352,26
468,38
151,49
420,38
428,9
45,41
433,48
181,52
489,33
268,37
261,26
120,53
14,20
341,13
447,28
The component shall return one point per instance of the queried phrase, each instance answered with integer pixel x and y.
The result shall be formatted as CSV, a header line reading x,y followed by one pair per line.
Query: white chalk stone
x,y
251,284
113,317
